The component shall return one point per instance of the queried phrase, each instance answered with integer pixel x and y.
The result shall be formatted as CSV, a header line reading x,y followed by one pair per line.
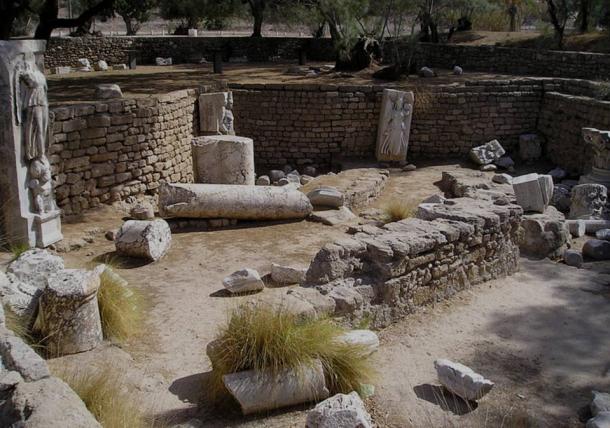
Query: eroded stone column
x,y
69,314
600,169
394,125
224,159
29,212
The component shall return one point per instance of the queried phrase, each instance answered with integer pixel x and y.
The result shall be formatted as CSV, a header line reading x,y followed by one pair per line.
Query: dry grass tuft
x,y
398,210
266,338
121,308
106,396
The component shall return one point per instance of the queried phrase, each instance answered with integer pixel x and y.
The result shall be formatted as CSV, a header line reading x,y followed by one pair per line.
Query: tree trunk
x,y
583,16
558,22
48,20
258,12
131,26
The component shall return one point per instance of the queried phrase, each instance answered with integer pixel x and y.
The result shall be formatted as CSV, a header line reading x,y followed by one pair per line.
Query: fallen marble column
x,y
144,239
232,202
69,314
261,391
223,159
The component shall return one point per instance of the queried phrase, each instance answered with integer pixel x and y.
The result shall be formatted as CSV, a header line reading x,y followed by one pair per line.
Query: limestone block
x,y
243,281
263,391
215,113
69,312
223,159
62,70
600,402
150,240
573,258
394,125
602,420
106,91
530,147
16,355
192,32
597,249
333,217
101,65
46,403
533,191
287,274
545,235
341,410
366,338
487,153
461,380
322,305
588,201
142,211
577,228
82,62
240,202
326,196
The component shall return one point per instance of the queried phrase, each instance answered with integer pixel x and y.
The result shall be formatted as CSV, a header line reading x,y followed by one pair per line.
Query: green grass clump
x,y
269,338
398,210
18,325
121,308
18,249
106,397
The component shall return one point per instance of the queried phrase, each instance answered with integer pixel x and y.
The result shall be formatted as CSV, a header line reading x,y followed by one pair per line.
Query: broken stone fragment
x,y
588,201
143,212
488,168
341,410
287,274
577,228
487,153
328,197
573,258
101,65
263,180
243,281
105,91
533,191
149,240
426,72
366,338
545,235
561,198
502,179
333,217
600,402
462,380
257,391
505,162
458,71
602,420
16,355
597,249
69,313
276,175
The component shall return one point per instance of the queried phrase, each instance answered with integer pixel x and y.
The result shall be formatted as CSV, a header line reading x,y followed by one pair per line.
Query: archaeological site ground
x,y
223,231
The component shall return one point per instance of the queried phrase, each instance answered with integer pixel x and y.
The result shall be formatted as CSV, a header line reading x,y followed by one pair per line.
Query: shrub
x,y
398,210
269,338
106,396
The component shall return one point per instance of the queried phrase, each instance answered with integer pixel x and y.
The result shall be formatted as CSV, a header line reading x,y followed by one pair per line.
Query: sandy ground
x,y
541,335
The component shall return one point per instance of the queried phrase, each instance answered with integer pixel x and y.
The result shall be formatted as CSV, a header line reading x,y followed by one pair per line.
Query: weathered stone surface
x,y
600,402
18,356
577,228
365,338
473,184
426,72
322,305
326,196
602,420
339,411
105,91
8,380
287,274
461,380
232,202
46,403
143,211
394,125
120,67
487,153
603,234
588,201
163,61
150,240
457,70
502,179
599,143
573,258
276,175
224,159
562,198
597,249
69,312
333,217
545,235
215,113
533,192
263,180
593,225
262,391
488,168
530,147
101,65
243,281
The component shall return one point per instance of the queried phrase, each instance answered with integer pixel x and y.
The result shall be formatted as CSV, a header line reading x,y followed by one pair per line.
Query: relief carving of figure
x,y
32,110
394,140
227,126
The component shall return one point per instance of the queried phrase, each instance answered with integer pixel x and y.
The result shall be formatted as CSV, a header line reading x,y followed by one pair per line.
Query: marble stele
x,y
394,125
216,113
599,141
29,213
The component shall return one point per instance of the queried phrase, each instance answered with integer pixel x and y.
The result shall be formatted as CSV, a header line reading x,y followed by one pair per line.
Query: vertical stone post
x,y
394,125
28,212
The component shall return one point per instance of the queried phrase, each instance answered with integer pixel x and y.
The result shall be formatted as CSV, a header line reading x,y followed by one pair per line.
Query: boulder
x,y
268,390
276,175
82,62
597,249
600,402
287,274
461,380
577,228
602,420
545,235
145,239
426,72
17,356
263,180
243,281
143,212
310,170
458,71
322,305
573,258
502,179
241,202
46,403
69,313
530,147
562,198
326,196
588,201
487,153
120,67
366,338
339,411
603,234
101,65
105,91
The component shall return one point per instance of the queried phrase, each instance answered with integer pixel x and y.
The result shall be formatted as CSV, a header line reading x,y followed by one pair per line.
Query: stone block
x,y
367,339
150,240
326,196
462,380
243,281
341,410
588,201
287,274
106,91
487,153
394,125
224,159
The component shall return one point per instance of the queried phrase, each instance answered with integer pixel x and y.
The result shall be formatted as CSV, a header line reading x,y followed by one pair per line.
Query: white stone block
x,y
243,281
487,153
461,380
394,125
224,159
106,91
150,240
529,193
326,197
339,411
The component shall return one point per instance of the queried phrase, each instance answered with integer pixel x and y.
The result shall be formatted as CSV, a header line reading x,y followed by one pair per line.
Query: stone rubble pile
x,y
341,410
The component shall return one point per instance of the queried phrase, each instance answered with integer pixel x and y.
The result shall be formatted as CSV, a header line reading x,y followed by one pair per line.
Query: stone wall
x,y
309,123
65,51
110,150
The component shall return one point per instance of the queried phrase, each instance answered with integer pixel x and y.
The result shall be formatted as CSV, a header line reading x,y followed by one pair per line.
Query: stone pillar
x,y
216,113
394,125
224,159
28,209
69,314
600,170
232,202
